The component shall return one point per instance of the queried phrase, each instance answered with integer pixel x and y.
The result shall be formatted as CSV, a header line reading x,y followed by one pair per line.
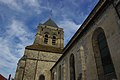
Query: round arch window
x,y
42,77
54,40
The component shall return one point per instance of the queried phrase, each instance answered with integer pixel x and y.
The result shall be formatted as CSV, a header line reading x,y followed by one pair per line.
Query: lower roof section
x,y
45,48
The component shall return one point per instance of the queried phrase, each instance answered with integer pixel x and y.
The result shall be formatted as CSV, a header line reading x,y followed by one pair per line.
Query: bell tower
x,y
49,34
40,57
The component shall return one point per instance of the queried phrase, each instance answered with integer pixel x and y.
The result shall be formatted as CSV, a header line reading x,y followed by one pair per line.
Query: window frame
x,y
54,40
46,39
72,67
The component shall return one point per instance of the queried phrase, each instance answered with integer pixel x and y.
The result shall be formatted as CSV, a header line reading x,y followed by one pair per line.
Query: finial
x,y
50,14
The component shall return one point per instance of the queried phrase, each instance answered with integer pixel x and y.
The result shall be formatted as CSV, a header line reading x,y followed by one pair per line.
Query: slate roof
x,y
50,22
45,48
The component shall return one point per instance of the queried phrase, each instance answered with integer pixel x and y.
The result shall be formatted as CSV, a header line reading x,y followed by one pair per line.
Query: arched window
x,y
59,73
42,77
46,39
53,40
104,64
72,67
52,76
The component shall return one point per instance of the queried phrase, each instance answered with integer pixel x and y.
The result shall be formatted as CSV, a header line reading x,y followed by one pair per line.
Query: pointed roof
x,y
50,22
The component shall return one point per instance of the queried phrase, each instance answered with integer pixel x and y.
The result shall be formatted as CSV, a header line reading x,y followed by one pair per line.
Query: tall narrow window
x,y
46,39
59,72
42,77
105,54
53,40
103,59
53,75
72,67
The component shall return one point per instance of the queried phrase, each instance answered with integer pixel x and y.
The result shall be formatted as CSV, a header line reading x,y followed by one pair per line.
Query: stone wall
x,y
50,31
36,63
84,58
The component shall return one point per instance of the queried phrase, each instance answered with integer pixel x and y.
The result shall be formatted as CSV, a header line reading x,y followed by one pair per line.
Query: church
x,y
93,53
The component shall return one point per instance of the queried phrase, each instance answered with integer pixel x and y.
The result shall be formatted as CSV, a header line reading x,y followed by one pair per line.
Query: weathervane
x,y
50,13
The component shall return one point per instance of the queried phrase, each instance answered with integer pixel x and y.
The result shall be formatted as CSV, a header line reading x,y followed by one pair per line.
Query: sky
x,y
19,20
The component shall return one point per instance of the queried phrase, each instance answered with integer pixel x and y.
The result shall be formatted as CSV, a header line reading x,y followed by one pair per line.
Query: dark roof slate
x,y
50,22
45,48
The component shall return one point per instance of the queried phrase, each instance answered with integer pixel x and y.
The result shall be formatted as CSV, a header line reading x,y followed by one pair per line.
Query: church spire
x,y
50,22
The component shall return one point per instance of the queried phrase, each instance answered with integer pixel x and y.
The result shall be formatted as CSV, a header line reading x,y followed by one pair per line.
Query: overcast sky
x,y
19,20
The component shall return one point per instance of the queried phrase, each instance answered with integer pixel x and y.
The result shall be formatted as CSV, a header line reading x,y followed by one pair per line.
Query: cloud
x,y
69,27
21,6
32,3
11,51
12,4
17,29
